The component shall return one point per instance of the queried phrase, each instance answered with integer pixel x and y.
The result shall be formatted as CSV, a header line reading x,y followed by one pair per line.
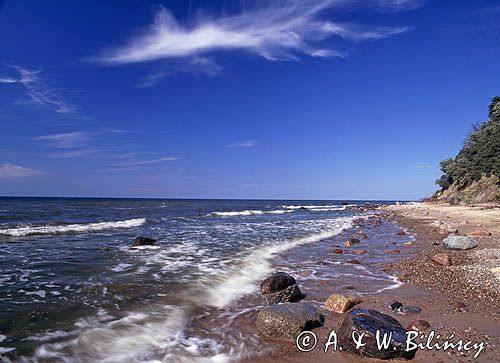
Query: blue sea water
x,y
72,289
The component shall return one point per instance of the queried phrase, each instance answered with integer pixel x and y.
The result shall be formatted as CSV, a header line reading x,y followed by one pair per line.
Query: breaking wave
x,y
71,228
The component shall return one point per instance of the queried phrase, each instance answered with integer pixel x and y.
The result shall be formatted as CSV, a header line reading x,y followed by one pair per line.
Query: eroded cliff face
x,y
484,190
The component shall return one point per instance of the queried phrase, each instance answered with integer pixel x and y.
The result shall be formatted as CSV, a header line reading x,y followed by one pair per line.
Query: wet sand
x,y
463,299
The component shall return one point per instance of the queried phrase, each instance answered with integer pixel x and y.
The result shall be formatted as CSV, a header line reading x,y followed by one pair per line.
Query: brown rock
x,y
354,262
480,232
351,241
442,259
395,252
340,303
360,252
403,276
419,325
338,251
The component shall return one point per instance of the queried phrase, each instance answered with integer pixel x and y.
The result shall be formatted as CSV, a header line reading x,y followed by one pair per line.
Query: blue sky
x,y
303,99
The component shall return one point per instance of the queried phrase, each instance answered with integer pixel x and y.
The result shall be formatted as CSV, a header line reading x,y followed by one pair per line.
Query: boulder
x,y
441,259
286,321
369,322
480,232
453,242
276,282
419,325
340,303
143,241
289,294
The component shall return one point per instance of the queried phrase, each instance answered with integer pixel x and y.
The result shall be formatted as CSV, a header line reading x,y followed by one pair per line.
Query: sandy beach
x,y
461,299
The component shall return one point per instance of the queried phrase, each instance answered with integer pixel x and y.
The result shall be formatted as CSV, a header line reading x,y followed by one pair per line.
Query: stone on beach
x,y
290,294
453,242
480,232
286,321
442,259
340,303
276,282
369,322
143,241
419,325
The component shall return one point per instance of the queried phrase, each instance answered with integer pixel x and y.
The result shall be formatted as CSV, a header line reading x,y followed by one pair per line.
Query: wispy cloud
x,y
64,140
145,162
38,91
281,30
16,171
243,144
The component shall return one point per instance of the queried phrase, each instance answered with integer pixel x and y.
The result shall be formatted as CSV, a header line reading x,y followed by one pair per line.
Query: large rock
x,y
143,241
290,294
340,303
369,322
276,282
286,321
458,243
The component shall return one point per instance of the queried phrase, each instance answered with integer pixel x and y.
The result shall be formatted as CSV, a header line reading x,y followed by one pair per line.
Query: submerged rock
x,y
286,321
369,322
340,303
289,294
276,282
143,241
351,241
458,243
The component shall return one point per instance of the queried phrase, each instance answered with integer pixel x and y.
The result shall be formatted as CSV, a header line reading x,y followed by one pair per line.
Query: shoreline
x,y
454,300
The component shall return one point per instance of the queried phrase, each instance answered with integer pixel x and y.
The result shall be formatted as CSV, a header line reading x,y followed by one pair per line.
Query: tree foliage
x,y
480,155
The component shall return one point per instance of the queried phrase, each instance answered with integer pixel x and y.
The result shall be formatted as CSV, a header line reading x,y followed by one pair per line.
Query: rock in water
x,y
369,322
143,241
340,303
286,321
276,282
458,243
290,294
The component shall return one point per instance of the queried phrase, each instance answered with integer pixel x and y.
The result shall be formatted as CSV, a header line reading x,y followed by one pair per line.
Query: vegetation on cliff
x,y
473,175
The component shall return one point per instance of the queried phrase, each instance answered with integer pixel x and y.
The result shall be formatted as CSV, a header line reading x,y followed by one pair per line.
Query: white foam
x,y
71,228
256,265
40,293
2,338
248,213
6,350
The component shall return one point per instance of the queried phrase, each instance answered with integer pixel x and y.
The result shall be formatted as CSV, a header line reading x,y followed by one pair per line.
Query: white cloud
x,y
16,171
283,30
146,162
243,144
38,91
64,140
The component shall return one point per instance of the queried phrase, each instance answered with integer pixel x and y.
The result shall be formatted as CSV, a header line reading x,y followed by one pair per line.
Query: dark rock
x,y
276,282
287,320
395,305
419,325
354,262
395,252
338,251
369,322
351,241
401,232
458,243
143,241
289,294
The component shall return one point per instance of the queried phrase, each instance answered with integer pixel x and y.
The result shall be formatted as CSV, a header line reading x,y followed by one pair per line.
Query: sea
x,y
74,289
